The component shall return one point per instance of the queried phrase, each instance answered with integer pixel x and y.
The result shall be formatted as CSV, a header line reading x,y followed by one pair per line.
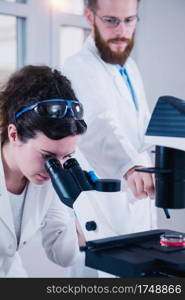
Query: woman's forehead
x,y
59,147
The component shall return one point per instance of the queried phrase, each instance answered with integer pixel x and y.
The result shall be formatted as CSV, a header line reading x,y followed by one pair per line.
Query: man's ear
x,y
89,16
12,133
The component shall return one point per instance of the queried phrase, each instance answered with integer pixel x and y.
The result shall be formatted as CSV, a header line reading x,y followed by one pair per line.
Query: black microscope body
x,y
138,254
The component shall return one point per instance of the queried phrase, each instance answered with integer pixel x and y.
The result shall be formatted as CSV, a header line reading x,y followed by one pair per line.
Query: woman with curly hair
x,y
40,118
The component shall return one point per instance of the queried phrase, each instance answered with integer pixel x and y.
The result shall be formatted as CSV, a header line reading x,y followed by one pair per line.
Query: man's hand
x,y
141,184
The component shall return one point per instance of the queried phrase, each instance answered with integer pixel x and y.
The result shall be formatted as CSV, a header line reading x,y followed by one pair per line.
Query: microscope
x,y
155,253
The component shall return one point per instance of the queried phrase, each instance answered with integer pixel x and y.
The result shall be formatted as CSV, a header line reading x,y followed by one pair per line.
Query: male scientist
x,y
107,81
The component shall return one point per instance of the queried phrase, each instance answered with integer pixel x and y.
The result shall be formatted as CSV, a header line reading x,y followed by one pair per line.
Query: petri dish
x,y
172,240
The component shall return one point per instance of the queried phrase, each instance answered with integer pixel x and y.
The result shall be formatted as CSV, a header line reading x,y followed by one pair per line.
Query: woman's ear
x,y
12,133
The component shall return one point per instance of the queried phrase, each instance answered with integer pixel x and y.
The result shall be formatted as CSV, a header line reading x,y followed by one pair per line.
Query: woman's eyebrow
x,y
54,154
69,154
51,153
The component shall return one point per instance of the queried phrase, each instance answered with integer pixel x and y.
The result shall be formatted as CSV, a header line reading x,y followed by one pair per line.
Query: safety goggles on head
x,y
54,108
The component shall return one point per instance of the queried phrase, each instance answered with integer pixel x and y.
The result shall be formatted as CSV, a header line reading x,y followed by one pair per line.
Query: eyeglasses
x,y
113,22
54,108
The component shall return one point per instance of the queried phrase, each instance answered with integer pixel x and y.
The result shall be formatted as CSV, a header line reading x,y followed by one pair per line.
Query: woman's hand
x,y
81,237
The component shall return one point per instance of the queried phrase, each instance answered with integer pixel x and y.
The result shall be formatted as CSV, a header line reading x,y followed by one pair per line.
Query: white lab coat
x,y
42,211
115,129
112,142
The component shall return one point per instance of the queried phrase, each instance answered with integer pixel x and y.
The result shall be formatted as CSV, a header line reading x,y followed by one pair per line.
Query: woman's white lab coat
x,y
42,211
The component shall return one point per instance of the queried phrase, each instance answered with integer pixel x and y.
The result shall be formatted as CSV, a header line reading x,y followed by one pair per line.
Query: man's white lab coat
x,y
115,129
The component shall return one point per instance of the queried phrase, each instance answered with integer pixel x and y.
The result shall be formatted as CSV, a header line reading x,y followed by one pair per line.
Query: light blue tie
x,y
125,75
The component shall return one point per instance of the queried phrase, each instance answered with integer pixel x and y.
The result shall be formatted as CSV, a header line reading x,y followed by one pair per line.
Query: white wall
x,y
161,48
160,53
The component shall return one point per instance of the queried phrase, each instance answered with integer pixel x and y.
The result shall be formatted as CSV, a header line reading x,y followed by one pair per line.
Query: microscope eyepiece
x,y
70,180
52,164
71,163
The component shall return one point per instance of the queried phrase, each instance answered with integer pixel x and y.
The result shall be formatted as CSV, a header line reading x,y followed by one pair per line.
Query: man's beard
x,y
107,54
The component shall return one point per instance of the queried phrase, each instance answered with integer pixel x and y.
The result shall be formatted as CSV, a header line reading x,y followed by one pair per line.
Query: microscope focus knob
x,y
91,226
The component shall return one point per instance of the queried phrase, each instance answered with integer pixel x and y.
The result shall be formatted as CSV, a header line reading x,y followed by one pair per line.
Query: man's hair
x,y
93,4
30,85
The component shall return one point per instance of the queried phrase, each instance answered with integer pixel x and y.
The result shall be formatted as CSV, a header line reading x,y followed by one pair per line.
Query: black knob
x,y
108,185
91,226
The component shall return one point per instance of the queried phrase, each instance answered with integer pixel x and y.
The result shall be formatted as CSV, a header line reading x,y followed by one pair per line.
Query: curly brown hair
x,y
27,86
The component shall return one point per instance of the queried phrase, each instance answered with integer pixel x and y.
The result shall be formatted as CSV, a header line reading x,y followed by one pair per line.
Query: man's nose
x,y
121,30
